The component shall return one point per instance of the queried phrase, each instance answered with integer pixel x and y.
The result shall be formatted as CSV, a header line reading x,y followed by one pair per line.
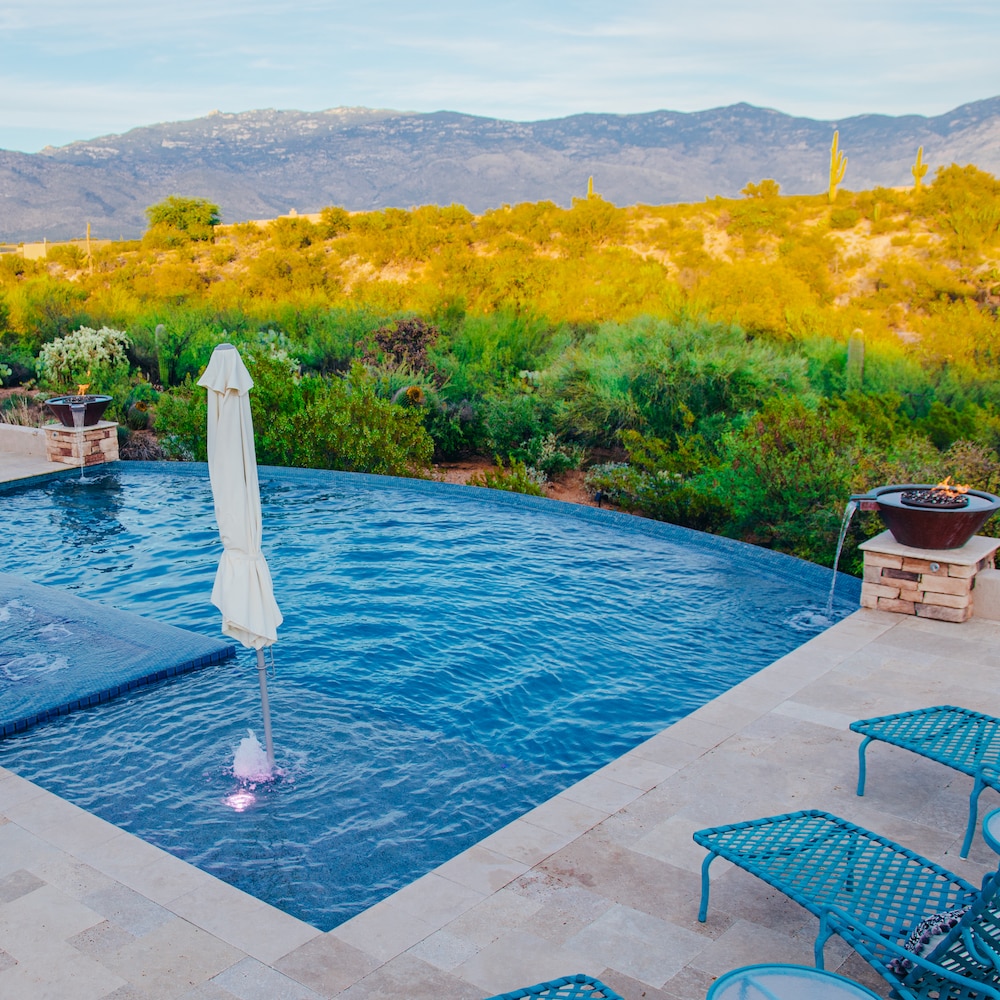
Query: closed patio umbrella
x,y
243,591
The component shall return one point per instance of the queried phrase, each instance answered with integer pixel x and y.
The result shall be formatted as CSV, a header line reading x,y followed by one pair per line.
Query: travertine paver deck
x,y
603,878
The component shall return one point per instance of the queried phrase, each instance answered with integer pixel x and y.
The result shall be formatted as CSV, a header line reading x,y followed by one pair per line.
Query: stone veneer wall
x,y
95,444
934,584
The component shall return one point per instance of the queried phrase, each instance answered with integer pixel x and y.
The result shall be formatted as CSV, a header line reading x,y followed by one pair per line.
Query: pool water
x,y
450,658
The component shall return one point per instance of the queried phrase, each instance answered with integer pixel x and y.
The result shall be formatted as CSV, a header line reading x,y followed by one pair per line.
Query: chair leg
x,y
703,909
970,831
861,763
821,938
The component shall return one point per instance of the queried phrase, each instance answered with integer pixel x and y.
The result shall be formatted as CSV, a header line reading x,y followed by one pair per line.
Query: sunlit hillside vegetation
x,y
734,365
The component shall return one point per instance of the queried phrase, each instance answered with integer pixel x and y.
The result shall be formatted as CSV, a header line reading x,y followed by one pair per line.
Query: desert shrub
x,y
345,425
510,422
844,218
965,203
515,478
552,457
68,254
181,418
456,429
404,342
663,495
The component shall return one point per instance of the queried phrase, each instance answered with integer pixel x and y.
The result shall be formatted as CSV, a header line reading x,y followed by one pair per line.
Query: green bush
x,y
516,478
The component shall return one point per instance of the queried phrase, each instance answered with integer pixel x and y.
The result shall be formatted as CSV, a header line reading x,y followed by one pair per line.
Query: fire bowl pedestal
x,y
93,408
924,526
78,446
930,583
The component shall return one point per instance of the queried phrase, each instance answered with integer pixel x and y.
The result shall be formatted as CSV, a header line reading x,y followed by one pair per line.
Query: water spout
x,y
250,764
852,506
79,411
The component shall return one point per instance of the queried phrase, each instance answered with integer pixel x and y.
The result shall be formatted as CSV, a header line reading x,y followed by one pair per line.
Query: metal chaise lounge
x,y
578,987
874,894
956,737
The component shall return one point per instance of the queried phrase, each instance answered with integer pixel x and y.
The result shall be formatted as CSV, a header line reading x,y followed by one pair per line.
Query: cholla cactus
x,y
83,350
838,166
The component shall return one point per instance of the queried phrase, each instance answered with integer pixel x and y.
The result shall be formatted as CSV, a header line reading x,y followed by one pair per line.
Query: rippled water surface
x,y
448,660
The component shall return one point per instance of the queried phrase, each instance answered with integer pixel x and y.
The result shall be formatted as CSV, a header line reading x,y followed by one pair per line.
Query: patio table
x,y
774,981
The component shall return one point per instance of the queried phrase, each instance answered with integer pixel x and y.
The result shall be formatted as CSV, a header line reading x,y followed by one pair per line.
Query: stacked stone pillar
x,y
928,583
82,445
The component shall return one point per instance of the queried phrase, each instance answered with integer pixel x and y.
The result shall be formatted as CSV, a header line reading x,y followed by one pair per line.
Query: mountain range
x,y
259,164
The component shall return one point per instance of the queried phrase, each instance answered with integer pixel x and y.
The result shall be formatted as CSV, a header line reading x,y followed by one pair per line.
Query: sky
x,y
72,70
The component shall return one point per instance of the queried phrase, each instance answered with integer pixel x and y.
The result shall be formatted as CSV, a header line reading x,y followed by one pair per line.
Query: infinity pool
x,y
450,657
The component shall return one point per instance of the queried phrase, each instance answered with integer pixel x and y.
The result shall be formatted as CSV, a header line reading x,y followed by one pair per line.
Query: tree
x,y
178,220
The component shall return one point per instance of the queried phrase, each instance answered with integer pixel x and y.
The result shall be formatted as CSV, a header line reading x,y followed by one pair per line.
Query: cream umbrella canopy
x,y
243,591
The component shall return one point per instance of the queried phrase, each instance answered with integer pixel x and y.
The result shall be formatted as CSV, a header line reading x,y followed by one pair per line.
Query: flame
x,y
81,390
949,489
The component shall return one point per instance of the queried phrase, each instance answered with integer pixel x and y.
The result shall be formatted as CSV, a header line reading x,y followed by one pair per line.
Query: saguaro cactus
x,y
838,166
590,186
919,170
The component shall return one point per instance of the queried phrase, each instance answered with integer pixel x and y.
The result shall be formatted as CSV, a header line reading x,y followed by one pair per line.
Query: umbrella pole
x,y
265,706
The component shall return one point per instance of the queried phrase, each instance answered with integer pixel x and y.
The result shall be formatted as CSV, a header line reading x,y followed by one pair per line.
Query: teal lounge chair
x,y
877,896
578,987
956,737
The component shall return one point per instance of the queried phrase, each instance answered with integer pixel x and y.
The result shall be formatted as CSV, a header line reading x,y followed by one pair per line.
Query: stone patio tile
x,y
444,950
601,794
564,816
636,771
688,984
68,874
748,943
326,964
14,790
243,921
384,931
643,947
671,841
482,870
727,716
408,976
495,915
20,849
172,959
564,910
435,900
60,823
665,749
203,991
30,921
252,980
817,716
58,974
701,735
146,869
128,909
525,842
101,938
18,883
496,970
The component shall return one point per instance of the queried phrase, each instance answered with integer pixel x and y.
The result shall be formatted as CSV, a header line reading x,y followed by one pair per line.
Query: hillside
x,y
259,164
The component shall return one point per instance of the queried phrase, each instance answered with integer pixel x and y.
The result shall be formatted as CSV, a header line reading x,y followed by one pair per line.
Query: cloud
x,y
108,65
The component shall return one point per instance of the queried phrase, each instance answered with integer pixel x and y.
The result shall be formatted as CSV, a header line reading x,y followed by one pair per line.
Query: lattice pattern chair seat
x,y
959,738
578,987
829,865
964,965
